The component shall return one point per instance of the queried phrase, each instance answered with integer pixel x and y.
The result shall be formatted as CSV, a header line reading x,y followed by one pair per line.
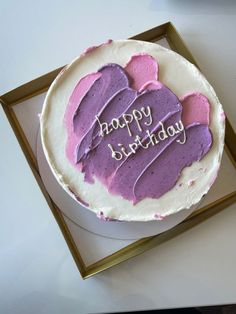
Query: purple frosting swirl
x,y
153,166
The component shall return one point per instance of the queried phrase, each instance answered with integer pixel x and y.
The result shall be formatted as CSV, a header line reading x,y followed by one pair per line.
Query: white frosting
x,y
177,74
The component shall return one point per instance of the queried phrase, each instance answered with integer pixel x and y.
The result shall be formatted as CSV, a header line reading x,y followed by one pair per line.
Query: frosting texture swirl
x,y
132,132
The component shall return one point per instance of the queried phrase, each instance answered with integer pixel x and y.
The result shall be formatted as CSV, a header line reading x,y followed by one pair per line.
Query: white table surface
x,y
37,272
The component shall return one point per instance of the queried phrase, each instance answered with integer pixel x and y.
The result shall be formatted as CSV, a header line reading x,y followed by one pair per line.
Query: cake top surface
x,y
133,131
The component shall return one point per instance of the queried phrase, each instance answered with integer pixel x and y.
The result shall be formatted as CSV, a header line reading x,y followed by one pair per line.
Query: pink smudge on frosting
x,y
101,216
78,198
91,49
81,201
191,182
196,108
78,93
141,68
222,115
159,217
63,70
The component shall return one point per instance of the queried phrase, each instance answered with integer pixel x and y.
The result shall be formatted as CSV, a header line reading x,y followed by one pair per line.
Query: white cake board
x,y
89,221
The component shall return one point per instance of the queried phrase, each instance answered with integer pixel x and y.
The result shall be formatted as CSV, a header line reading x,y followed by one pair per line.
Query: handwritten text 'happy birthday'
x,y
148,140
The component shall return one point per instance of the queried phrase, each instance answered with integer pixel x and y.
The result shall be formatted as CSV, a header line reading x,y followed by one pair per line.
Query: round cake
x,y
133,131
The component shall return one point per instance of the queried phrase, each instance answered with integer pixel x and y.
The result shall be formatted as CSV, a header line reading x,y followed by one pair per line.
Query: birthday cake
x,y
133,131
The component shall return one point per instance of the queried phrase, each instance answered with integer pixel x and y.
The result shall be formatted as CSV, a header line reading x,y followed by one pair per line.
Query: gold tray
x,y
41,85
